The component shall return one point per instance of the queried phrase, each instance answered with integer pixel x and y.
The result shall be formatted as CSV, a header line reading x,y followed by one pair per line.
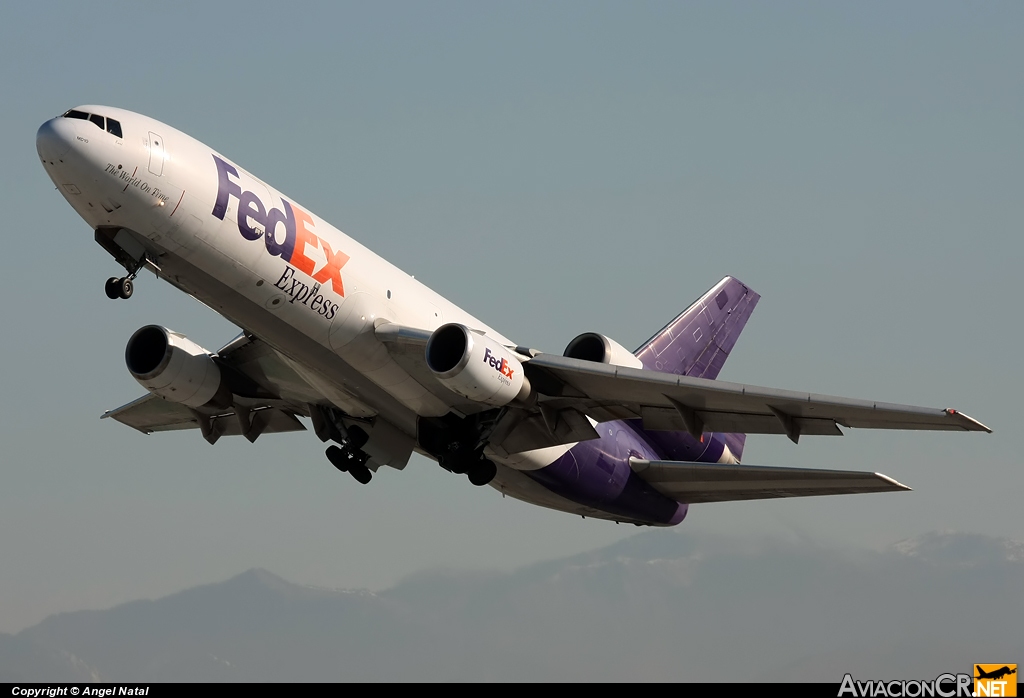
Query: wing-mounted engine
x,y
475,366
190,387
591,346
173,367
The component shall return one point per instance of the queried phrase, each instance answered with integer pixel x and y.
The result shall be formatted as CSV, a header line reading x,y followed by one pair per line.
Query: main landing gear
x,y
351,461
482,472
348,455
458,444
472,463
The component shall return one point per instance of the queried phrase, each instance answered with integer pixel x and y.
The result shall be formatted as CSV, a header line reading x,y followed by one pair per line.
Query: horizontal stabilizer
x,y
703,482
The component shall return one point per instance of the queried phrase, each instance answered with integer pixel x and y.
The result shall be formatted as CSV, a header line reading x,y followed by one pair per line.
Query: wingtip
x,y
972,423
895,483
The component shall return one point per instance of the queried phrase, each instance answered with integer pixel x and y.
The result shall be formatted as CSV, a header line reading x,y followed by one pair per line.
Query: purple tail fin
x,y
698,341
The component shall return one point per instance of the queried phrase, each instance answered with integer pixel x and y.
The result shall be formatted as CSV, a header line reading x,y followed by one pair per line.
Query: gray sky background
x,y
554,169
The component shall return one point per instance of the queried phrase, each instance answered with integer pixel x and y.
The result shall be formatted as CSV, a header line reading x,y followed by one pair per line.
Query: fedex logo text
x,y
301,293
498,364
253,214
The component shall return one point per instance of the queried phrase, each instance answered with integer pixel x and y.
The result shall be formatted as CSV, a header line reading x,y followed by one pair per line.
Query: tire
x,y
338,458
361,473
482,473
112,288
126,288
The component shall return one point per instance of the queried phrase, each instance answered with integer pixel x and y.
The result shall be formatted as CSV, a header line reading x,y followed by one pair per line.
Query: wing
x,y
570,390
259,381
151,413
701,482
669,402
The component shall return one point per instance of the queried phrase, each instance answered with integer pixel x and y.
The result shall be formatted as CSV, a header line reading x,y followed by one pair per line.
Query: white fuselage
x,y
260,259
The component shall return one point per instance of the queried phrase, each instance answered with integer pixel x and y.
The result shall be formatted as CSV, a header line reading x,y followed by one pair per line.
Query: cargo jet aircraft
x,y
382,366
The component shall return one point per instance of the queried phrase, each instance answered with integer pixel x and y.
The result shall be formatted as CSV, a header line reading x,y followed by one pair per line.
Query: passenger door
x,y
156,154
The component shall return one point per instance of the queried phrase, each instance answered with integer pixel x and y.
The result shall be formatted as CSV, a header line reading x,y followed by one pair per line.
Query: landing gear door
x,y
156,154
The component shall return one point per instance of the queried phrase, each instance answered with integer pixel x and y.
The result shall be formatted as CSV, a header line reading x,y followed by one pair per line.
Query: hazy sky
x,y
554,168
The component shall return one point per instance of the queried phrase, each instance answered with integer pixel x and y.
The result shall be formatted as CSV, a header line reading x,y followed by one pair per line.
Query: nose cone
x,y
53,139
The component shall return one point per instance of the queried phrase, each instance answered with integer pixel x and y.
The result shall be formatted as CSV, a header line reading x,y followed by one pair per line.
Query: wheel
x,y
126,288
338,458
112,288
361,473
482,472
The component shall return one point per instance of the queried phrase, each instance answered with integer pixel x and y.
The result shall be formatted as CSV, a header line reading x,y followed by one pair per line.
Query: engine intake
x,y
591,346
170,365
475,366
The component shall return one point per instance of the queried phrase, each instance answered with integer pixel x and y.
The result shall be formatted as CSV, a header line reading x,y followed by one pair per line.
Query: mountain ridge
x,y
657,606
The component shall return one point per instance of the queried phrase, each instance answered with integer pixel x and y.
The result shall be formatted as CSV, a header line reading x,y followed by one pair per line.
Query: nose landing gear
x,y
124,287
119,288
130,250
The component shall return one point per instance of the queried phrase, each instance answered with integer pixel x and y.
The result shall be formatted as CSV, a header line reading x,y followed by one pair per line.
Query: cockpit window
x,y
113,126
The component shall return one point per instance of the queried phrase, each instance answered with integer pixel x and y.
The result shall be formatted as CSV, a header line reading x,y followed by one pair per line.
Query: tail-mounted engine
x,y
170,365
475,366
591,346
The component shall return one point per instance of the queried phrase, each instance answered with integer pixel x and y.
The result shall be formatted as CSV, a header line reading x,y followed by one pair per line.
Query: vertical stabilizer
x,y
698,341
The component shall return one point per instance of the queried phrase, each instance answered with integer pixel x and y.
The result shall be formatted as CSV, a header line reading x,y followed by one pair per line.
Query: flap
x,y
152,413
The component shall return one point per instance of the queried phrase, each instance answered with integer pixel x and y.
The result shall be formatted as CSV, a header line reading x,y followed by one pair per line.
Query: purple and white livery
x,y
382,366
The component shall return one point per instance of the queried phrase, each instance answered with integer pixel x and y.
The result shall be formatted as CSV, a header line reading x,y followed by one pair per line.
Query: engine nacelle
x,y
475,366
591,346
174,367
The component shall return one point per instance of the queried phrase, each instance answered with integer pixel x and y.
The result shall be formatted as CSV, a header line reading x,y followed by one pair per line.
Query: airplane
x,y
383,366
995,673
